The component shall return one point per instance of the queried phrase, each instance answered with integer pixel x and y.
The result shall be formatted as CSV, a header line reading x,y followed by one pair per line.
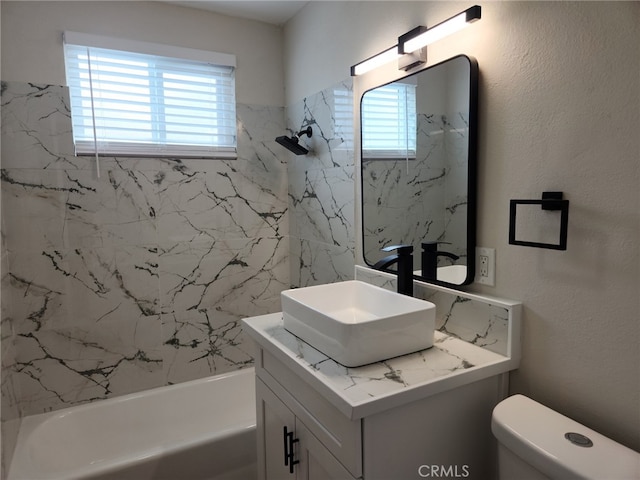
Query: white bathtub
x,y
203,429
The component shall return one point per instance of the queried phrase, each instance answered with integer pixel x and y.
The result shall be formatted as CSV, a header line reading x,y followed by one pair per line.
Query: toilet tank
x,y
533,444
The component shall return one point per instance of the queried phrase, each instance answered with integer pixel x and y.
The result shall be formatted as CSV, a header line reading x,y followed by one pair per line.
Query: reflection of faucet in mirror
x,y
404,259
430,254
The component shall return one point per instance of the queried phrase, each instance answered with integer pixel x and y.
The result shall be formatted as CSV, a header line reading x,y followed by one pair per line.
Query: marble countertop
x,y
362,391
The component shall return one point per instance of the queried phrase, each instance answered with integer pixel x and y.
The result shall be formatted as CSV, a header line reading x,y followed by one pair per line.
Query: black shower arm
x,y
307,131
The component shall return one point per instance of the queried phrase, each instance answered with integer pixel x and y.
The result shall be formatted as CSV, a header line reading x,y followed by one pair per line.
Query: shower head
x,y
292,143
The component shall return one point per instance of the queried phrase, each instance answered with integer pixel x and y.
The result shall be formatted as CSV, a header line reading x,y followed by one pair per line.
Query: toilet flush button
x,y
578,439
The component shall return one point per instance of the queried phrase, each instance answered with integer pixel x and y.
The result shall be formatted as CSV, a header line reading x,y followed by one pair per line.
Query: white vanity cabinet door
x,y
338,434
316,462
306,457
272,417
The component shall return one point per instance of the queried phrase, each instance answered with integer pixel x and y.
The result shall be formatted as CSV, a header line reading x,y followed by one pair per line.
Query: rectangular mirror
x,y
419,137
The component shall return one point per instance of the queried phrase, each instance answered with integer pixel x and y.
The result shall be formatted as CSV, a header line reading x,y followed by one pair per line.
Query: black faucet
x,y
404,259
430,254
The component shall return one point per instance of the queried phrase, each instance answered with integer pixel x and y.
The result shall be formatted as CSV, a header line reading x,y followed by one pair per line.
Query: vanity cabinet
x,y
302,436
426,414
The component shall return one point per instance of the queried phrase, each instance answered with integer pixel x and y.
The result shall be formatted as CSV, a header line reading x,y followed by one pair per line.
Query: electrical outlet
x,y
486,266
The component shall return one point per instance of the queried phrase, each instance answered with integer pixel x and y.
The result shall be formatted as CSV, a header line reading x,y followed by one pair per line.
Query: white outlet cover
x,y
490,278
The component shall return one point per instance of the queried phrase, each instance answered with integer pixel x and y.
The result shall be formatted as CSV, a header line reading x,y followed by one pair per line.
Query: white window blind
x,y
140,103
389,122
343,116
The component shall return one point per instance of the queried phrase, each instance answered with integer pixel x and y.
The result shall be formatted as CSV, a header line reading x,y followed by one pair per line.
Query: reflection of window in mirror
x,y
343,118
389,122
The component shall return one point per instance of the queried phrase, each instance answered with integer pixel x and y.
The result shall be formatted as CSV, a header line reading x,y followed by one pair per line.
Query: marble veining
x,y
139,277
321,188
480,322
9,386
429,189
364,389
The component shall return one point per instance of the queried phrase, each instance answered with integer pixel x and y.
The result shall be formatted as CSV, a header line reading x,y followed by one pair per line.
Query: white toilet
x,y
537,443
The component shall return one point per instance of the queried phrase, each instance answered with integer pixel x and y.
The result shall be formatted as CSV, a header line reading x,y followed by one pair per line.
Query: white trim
x,y
148,48
132,149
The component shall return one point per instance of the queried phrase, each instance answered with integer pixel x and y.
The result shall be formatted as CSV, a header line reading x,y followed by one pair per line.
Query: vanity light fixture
x,y
407,51
412,60
376,61
422,36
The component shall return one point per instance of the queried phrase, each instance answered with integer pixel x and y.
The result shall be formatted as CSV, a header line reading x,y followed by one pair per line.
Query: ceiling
x,y
274,12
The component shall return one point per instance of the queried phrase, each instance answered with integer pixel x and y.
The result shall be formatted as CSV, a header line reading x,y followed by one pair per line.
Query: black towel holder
x,y
550,201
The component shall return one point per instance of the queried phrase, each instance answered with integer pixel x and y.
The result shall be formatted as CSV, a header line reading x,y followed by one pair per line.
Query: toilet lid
x,y
537,435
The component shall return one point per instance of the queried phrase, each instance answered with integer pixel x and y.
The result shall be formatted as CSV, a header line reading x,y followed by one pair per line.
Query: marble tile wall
x,y
322,188
456,140
138,278
478,321
407,201
9,388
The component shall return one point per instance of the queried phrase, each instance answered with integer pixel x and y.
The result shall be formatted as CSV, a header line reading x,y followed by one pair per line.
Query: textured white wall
x,y
559,110
32,39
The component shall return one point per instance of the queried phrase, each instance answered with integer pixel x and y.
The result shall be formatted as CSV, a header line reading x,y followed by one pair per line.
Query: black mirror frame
x,y
472,168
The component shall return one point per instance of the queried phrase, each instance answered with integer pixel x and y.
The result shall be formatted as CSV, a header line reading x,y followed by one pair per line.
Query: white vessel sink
x,y
356,323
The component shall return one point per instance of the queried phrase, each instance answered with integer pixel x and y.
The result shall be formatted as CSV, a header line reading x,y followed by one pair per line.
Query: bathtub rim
x,y
30,423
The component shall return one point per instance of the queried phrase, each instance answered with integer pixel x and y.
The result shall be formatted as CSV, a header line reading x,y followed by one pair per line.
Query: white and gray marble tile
x,y
330,115
72,209
321,188
33,208
85,317
10,412
242,276
223,203
105,286
36,127
315,263
408,201
476,321
69,366
322,206
117,277
354,388
202,343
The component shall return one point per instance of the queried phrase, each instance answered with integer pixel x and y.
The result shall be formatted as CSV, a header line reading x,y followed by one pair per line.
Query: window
x,y
343,116
142,99
389,122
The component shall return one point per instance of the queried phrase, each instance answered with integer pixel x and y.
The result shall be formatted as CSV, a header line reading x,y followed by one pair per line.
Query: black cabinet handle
x,y
289,460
